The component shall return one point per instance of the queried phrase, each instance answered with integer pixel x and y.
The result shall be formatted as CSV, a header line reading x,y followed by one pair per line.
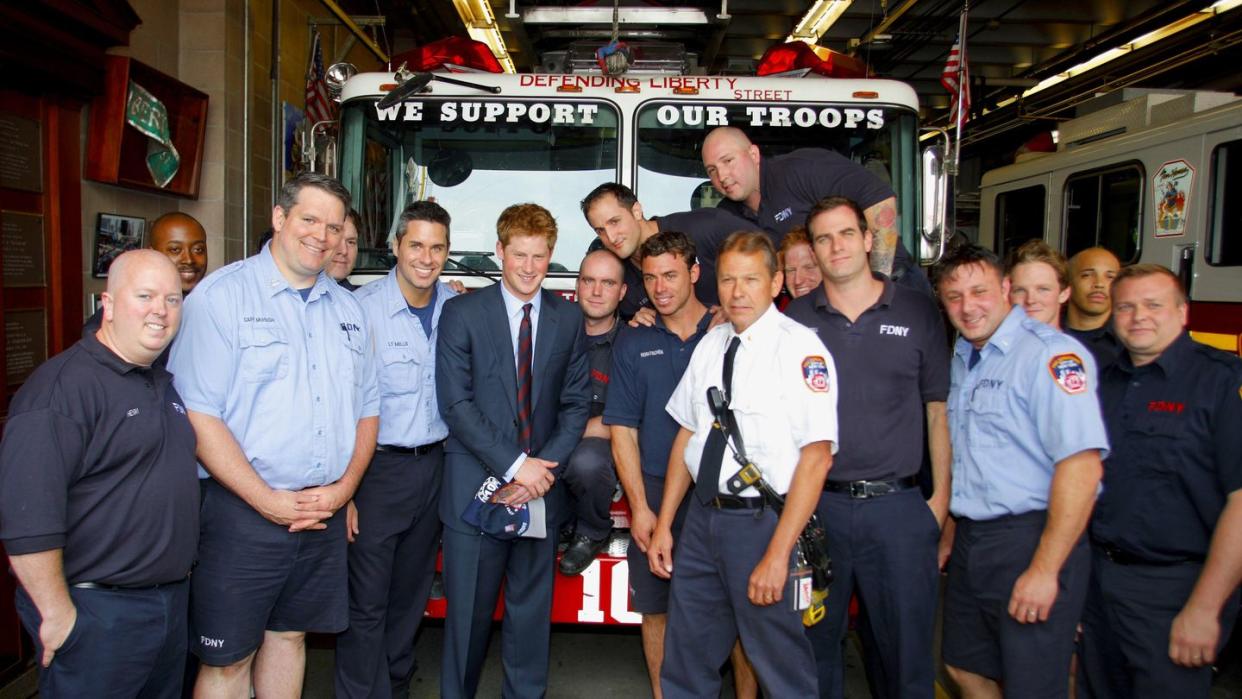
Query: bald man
x,y
777,192
182,238
105,608
1089,312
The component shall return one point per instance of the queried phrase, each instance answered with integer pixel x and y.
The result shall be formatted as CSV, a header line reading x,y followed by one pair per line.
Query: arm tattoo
x,y
882,220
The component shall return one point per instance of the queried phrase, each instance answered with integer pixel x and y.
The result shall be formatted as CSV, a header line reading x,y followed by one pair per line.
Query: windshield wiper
x,y
411,83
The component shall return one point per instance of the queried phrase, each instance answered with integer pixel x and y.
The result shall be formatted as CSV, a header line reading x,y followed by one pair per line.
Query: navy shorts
x,y
980,636
649,594
254,576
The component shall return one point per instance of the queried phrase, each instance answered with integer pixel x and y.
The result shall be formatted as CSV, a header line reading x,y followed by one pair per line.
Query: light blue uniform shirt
x,y
290,378
1029,403
406,361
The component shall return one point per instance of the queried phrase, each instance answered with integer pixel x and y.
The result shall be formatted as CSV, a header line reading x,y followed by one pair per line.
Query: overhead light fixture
x,y
477,16
1217,8
822,15
603,15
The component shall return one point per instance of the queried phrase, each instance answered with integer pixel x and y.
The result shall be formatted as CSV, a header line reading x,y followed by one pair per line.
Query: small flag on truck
x,y
318,106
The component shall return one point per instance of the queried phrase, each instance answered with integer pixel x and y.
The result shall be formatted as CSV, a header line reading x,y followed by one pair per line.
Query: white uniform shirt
x,y
784,396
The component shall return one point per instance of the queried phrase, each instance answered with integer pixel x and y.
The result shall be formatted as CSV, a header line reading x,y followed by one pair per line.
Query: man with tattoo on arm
x,y
777,192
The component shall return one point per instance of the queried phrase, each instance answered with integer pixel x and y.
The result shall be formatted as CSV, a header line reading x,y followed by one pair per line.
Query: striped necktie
x,y
524,379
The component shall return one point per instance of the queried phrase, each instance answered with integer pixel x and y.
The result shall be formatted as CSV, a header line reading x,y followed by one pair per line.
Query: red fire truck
x,y
485,141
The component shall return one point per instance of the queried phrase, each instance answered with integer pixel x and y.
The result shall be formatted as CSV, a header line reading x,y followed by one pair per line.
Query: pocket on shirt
x,y
400,371
986,416
1159,435
356,358
264,354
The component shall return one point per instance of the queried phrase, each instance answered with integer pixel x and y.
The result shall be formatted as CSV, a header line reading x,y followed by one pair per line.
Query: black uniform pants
x,y
885,550
1124,649
709,609
391,566
124,644
592,481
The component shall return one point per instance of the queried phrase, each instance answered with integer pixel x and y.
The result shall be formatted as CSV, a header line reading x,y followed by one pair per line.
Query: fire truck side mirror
x,y
935,179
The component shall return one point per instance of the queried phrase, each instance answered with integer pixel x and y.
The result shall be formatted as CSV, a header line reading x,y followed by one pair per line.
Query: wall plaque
x,y
22,247
25,344
21,153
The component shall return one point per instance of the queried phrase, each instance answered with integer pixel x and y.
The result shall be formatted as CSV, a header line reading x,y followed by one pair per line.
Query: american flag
x,y
956,76
318,106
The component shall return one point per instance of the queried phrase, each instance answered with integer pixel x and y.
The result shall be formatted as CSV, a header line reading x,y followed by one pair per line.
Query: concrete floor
x,y
599,662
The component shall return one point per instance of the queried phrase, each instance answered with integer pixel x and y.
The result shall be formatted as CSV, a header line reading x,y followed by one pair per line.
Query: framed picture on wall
x,y
114,234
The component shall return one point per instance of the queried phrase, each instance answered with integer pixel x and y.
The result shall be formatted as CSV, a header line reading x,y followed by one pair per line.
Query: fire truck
x,y
478,142
1151,176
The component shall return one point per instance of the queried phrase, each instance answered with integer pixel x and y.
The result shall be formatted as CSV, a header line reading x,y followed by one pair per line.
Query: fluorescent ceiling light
x,y
1143,41
603,15
1217,8
477,16
818,19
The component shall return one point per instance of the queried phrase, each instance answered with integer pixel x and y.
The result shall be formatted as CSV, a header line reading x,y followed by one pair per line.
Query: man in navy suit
x,y
511,382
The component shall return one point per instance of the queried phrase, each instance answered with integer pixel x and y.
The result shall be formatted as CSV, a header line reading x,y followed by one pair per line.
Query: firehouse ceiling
x,y
1028,59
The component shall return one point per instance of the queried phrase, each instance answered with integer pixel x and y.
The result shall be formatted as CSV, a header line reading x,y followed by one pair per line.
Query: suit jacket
x,y
476,388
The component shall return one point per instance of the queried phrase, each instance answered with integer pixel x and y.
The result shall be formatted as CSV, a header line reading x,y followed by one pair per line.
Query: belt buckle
x,y
858,490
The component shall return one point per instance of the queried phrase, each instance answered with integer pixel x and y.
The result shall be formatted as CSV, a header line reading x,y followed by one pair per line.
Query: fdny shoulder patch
x,y
815,373
1069,372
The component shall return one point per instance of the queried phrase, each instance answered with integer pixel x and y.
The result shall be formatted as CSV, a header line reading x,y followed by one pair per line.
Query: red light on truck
x,y
866,95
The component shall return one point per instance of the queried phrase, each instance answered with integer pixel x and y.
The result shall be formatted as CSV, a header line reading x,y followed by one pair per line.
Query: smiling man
x,y
797,260
617,217
98,500
393,521
182,238
1166,567
511,383
1038,281
281,389
1027,441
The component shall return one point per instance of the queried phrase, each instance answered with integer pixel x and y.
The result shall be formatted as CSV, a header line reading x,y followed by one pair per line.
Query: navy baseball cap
x,y
497,520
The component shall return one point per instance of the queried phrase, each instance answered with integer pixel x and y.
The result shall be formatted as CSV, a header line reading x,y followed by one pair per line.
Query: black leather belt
x,y
862,490
733,502
125,588
416,451
1124,558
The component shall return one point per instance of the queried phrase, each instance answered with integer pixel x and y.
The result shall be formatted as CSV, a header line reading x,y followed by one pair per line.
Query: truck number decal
x,y
619,588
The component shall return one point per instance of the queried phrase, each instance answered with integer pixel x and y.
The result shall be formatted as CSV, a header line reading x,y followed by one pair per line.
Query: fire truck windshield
x,y
476,156
670,135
